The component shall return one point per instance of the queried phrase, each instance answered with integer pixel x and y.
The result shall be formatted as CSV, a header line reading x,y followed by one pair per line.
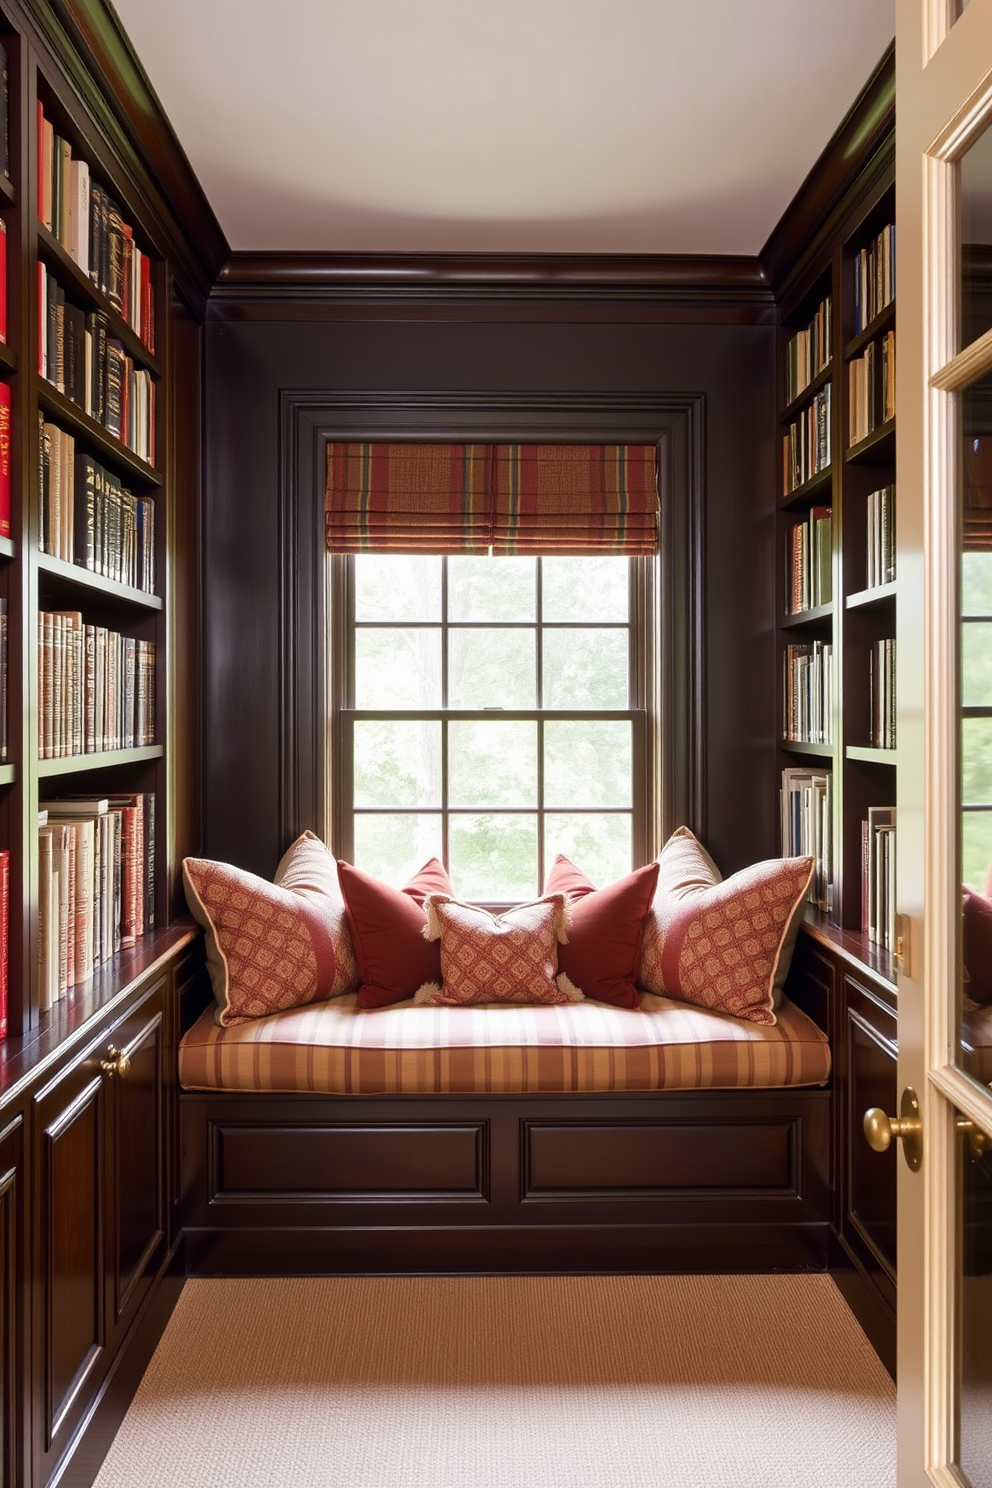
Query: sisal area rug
x,y
510,1382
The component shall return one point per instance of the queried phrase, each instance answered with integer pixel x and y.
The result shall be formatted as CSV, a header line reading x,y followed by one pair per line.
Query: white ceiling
x,y
630,126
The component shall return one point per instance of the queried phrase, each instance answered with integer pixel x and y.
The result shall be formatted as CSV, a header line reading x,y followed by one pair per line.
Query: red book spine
x,y
4,460
4,939
147,317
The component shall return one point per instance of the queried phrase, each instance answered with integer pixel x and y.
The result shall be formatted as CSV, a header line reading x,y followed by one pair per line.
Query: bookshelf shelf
x,y
883,321
8,196
8,774
881,595
69,415
799,746
7,548
870,754
804,494
815,616
75,764
73,576
51,252
801,400
8,359
878,448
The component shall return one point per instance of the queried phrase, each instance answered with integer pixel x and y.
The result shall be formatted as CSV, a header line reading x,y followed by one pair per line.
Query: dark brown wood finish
x,y
14,1418
267,382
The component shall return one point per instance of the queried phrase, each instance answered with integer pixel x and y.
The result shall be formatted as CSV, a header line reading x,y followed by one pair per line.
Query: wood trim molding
x,y
91,48
309,419
308,277
866,130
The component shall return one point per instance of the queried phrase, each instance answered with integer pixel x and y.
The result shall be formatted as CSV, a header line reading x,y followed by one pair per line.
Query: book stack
x,y
809,554
89,518
872,388
79,357
96,689
808,352
808,692
807,826
96,885
881,548
89,226
882,694
806,446
878,876
874,278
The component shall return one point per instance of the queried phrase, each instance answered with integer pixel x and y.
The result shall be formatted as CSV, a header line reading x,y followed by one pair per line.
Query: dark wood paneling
x,y
254,368
617,1160
349,1162
14,1403
872,1080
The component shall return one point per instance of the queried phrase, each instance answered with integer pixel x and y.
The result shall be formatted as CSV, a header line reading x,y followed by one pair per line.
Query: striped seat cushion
x,y
333,1048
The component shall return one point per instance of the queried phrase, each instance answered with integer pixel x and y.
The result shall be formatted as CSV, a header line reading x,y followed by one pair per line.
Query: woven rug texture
x,y
510,1382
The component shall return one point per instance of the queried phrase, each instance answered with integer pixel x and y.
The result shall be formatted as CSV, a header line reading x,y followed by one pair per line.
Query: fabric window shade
x,y
507,498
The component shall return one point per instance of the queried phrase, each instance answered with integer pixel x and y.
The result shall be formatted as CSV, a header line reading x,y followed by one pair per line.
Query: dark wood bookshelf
x,y
803,495
809,392
82,287
73,575
883,321
881,594
70,415
108,759
878,447
815,616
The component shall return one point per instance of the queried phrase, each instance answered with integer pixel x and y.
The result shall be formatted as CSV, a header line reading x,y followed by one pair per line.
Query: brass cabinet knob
x,y
907,1127
117,1064
978,1142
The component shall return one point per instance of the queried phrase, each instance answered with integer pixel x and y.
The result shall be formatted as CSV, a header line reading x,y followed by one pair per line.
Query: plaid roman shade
x,y
505,498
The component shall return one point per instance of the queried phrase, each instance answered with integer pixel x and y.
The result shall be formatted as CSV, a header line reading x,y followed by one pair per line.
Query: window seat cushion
x,y
335,1048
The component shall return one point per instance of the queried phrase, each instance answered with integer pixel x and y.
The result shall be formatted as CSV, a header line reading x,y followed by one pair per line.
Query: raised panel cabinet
x,y
12,1294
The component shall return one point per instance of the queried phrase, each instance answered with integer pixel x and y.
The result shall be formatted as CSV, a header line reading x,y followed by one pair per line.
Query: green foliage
x,y
587,763
586,590
393,847
397,763
585,669
493,857
976,847
492,589
492,763
398,668
395,586
491,669
599,844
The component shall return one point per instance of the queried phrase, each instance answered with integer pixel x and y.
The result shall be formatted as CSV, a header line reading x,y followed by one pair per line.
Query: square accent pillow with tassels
x,y
512,957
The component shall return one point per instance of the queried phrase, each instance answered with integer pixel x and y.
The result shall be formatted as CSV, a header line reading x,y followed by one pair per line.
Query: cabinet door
x,y
12,1293
70,1331
136,1172
870,1199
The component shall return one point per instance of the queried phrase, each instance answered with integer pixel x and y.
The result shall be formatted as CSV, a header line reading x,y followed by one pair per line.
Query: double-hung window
x,y
493,711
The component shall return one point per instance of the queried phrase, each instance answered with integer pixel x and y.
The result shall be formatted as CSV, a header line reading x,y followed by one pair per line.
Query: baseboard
x,y
872,1311
81,1465
506,1250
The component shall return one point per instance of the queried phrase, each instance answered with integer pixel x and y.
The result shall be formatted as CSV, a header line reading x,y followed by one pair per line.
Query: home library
x,y
837,604
83,522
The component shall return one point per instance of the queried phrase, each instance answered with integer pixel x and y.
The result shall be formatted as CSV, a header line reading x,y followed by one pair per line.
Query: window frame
x,y
643,711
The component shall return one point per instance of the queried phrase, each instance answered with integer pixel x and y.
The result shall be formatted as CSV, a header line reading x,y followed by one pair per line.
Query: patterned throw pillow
x,y
722,944
277,945
605,930
512,957
387,927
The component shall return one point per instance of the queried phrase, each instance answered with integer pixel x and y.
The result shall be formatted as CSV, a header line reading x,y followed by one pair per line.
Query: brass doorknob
x,y
117,1064
978,1142
907,1127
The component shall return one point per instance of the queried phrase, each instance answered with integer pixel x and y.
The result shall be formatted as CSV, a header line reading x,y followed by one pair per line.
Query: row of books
x,y
88,224
874,278
96,688
809,561
881,537
807,826
78,356
88,517
872,387
882,694
4,940
96,886
806,446
878,876
5,428
808,352
808,693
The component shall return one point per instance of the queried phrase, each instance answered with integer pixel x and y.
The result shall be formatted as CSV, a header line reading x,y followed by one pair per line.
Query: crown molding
x,y
863,145
92,50
478,277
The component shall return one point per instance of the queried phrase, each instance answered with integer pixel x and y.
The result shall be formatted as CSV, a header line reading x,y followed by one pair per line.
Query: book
x,y
5,430
4,940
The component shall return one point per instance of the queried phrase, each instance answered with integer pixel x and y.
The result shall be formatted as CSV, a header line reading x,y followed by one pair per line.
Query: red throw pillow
x,y
387,931
977,946
722,943
605,930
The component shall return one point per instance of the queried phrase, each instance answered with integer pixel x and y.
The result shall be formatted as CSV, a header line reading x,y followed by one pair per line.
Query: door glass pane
x,y
492,668
397,763
492,763
392,846
600,844
975,1308
976,239
976,664
398,668
587,763
585,669
493,858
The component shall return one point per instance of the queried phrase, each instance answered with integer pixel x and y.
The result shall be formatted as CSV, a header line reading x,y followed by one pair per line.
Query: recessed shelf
x,y
883,320
7,548
69,413
804,493
76,764
878,447
809,392
106,589
881,594
800,746
8,774
870,754
50,250
816,615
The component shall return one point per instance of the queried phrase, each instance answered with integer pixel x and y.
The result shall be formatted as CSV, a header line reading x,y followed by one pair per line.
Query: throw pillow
x,y
512,957
605,930
387,929
977,946
723,944
272,946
